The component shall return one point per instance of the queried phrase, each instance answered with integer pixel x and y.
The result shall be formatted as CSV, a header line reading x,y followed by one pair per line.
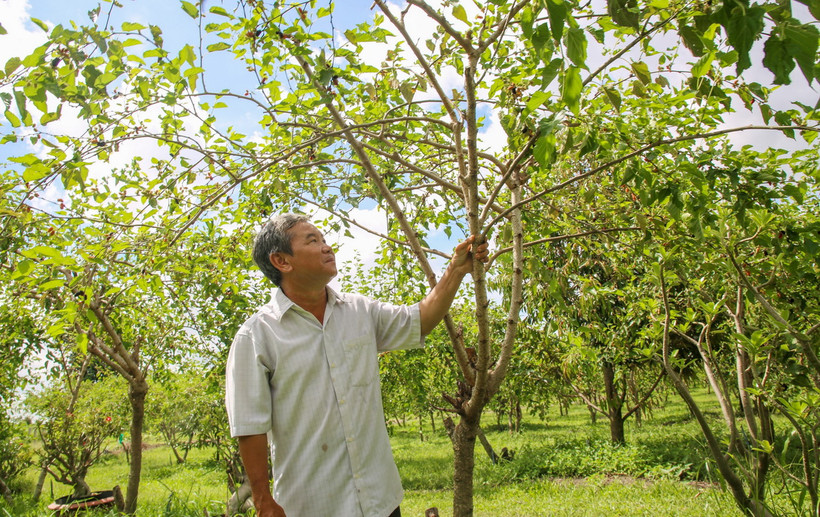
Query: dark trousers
x,y
396,513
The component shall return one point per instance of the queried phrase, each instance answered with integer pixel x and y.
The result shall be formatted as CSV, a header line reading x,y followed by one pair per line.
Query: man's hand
x,y
267,507
437,302
465,253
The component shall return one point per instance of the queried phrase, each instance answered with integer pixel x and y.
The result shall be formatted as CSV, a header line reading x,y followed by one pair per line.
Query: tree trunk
x,y
487,447
41,479
636,395
464,436
240,501
81,488
519,415
137,390
593,415
614,405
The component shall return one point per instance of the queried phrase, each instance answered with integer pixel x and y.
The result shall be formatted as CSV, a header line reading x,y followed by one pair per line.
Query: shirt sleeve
x,y
398,327
247,387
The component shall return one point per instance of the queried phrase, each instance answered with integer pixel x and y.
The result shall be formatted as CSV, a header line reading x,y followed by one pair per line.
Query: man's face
x,y
312,258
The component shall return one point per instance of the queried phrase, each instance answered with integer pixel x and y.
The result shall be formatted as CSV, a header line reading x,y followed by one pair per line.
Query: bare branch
x,y
444,24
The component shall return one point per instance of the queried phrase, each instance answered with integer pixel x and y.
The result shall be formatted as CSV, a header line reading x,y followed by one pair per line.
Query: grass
x,y
563,467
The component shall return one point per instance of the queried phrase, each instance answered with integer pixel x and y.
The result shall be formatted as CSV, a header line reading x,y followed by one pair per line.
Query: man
x,y
304,371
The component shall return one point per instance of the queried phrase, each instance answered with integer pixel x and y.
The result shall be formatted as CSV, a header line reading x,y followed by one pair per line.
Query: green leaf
x,y
802,43
156,34
642,72
407,90
526,19
550,71
765,112
814,7
40,24
132,26
614,97
190,8
460,13
557,11
544,150
36,171
12,118
624,13
11,65
691,40
215,47
220,11
24,267
541,37
777,59
187,54
703,65
784,119
325,76
571,89
42,251
538,98
743,26
576,43
3,30
52,284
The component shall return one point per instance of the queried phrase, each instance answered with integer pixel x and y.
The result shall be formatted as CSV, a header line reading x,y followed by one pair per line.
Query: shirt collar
x,y
280,303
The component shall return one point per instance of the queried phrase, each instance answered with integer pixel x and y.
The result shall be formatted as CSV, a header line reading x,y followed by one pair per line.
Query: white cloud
x,y
23,36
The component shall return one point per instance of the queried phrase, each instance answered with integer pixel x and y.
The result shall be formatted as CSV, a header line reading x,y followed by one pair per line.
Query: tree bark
x,y
614,405
487,447
464,436
137,390
81,488
41,479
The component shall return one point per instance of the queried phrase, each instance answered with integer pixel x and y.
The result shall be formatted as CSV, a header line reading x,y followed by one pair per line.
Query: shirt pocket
x,y
362,360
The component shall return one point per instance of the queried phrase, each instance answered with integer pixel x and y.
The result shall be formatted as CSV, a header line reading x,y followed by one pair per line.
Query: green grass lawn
x,y
564,466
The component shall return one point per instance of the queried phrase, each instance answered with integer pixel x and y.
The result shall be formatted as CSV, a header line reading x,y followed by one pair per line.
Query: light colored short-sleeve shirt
x,y
314,389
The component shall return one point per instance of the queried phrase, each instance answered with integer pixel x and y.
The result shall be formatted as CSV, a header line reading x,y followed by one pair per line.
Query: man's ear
x,y
280,261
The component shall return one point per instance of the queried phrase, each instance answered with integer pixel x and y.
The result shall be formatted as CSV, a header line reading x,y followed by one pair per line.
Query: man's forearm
x,y
438,301
254,452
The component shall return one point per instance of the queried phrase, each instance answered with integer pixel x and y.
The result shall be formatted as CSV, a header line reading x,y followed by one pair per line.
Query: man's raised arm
x,y
437,302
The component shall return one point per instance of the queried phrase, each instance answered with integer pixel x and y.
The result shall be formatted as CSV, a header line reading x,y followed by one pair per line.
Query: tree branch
x,y
560,238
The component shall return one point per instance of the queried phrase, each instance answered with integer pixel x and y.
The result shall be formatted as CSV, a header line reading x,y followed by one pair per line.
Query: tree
x,y
176,410
334,130
745,307
73,425
15,453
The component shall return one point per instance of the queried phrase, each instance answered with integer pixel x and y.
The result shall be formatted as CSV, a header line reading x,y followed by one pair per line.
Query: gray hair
x,y
274,238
